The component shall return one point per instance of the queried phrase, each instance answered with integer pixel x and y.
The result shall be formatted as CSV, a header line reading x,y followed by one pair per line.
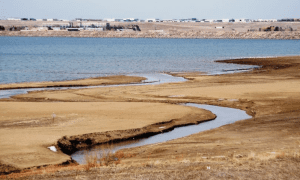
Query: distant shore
x,y
165,30
149,34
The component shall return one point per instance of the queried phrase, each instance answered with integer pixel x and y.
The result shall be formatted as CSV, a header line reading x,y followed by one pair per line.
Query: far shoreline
x,y
293,35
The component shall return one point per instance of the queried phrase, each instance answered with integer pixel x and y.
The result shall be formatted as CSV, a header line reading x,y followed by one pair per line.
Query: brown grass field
x,y
266,146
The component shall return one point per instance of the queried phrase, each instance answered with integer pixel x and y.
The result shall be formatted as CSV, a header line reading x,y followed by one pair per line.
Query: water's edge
x,y
224,116
152,79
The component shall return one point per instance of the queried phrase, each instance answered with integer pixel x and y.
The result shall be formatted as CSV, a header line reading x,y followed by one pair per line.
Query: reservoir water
x,y
32,59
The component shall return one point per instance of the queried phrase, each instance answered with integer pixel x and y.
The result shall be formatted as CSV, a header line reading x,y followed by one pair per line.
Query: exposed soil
x,y
28,128
266,146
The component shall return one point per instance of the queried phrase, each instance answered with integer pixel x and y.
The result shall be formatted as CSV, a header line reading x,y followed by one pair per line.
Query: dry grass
x,y
104,157
267,165
93,161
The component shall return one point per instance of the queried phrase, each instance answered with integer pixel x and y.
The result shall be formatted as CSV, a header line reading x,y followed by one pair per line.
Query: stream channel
x,y
224,116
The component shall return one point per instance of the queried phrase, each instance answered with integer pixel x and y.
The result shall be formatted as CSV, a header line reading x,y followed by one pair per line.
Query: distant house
x,y
151,20
110,20
13,19
209,20
167,20
130,20
242,20
127,20
266,20
225,20
286,20
218,21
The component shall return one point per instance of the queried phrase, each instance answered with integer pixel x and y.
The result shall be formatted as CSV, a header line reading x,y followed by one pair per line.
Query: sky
x,y
162,9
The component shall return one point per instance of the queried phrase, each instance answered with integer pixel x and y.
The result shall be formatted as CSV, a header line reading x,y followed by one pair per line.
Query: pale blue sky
x,y
163,9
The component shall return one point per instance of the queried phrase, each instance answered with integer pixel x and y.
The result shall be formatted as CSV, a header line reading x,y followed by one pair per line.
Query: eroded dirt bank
x,y
28,128
266,146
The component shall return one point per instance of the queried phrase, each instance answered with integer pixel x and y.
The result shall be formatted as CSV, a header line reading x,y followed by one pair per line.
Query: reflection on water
x,y
224,116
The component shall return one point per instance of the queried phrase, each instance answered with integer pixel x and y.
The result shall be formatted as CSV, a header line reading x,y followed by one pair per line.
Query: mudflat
x,y
81,82
266,146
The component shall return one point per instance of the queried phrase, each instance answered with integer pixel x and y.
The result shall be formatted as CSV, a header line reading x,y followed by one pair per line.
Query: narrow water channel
x,y
152,79
224,116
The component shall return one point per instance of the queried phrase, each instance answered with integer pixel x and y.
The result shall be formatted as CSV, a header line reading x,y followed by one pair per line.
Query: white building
x,y
14,19
167,20
130,20
152,20
110,20
242,20
209,20
225,20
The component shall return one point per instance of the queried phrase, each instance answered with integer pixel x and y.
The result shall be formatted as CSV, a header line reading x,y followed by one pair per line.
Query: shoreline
x,y
293,35
96,81
258,103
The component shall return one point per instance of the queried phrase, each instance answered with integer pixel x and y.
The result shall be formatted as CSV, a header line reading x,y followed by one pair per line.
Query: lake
x,y
31,59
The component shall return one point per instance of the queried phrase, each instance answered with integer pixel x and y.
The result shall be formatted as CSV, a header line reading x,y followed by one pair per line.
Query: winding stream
x,y
224,116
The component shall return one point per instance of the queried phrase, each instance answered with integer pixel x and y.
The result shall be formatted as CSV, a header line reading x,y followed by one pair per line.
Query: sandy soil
x,y
266,146
28,128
